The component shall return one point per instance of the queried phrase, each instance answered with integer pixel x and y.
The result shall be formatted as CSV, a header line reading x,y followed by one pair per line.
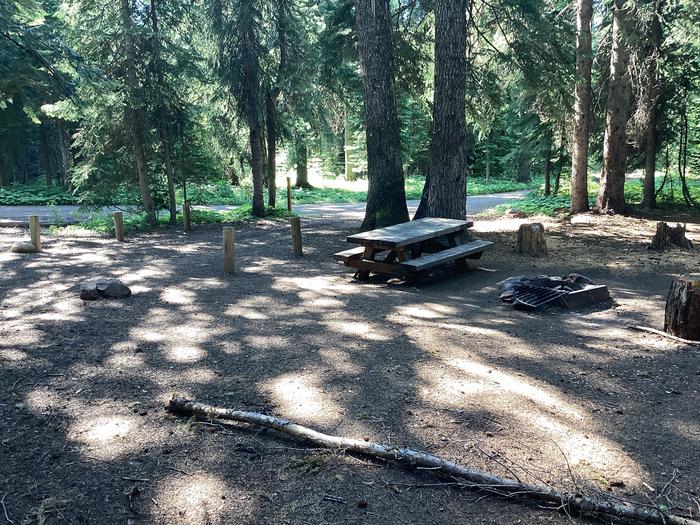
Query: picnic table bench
x,y
412,248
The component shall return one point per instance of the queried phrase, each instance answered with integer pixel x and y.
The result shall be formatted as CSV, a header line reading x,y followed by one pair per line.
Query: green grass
x,y
536,203
35,194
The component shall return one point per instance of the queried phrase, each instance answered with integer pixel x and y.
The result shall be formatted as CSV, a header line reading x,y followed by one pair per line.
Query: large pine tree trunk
x,y
582,107
386,196
250,72
653,89
302,165
271,125
163,124
611,197
548,169
135,115
445,192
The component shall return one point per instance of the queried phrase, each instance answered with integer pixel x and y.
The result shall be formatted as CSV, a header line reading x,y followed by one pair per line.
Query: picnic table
x,y
412,248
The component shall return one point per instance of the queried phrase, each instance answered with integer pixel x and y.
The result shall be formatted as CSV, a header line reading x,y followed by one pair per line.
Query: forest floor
x,y
442,366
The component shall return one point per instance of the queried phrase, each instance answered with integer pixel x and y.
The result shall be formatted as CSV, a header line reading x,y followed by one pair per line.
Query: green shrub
x,y
35,194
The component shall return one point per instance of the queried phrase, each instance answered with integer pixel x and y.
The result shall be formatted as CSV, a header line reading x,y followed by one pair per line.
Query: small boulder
x,y
23,247
104,287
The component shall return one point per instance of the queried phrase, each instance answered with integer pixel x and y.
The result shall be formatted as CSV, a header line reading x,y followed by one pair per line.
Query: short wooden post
x,y
296,235
229,249
186,217
35,231
289,194
118,225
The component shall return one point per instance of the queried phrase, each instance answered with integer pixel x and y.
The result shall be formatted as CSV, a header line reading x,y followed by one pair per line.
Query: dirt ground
x,y
442,366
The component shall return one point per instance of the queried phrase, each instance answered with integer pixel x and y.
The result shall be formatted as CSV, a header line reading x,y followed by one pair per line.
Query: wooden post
x,y
118,225
186,217
289,194
683,308
296,235
35,231
229,249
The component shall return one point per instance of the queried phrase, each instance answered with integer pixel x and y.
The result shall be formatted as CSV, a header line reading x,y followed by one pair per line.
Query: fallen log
x,y
571,503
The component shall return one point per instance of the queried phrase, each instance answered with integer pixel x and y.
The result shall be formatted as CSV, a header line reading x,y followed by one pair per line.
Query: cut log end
x,y
531,240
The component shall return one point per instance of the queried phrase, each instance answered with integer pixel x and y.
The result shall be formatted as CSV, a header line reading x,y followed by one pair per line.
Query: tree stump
x,y
667,237
531,240
683,308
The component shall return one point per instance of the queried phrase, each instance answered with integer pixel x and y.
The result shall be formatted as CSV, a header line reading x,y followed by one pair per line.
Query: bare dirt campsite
x,y
568,399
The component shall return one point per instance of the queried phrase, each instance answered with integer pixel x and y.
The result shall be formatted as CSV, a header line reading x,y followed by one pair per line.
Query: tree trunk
x,y
523,173
582,107
64,150
347,147
302,166
611,197
548,170
45,153
271,124
446,186
386,195
135,115
683,308
163,124
653,90
250,72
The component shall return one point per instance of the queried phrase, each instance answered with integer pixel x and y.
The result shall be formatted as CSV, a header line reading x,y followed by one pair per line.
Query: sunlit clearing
x,y
12,355
427,311
356,329
90,257
107,429
517,386
175,295
41,399
185,354
202,498
577,447
315,284
299,396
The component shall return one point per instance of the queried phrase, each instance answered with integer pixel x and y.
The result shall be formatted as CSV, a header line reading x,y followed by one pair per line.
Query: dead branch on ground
x,y
571,503
664,334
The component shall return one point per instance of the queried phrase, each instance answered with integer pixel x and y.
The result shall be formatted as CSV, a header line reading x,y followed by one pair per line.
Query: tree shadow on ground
x,y
443,366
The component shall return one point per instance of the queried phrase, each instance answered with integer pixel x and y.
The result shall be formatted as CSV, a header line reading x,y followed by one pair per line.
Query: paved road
x,y
17,215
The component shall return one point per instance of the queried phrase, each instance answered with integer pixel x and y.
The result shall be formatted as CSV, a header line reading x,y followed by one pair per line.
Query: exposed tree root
x,y
592,504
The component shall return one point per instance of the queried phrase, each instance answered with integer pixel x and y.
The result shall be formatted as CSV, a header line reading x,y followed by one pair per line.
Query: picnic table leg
x,y
369,255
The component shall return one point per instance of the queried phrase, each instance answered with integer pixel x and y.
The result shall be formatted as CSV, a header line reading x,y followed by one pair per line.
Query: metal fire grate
x,y
531,297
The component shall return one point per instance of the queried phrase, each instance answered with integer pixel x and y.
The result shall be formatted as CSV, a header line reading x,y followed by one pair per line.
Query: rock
x,y
104,287
23,247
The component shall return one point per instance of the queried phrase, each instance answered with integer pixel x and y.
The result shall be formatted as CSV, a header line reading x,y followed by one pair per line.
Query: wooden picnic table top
x,y
408,233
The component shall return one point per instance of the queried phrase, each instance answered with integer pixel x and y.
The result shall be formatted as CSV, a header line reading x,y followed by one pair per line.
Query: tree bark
x,y
302,180
548,170
135,116
163,124
682,316
271,125
582,107
611,197
347,146
445,190
250,72
386,195
653,90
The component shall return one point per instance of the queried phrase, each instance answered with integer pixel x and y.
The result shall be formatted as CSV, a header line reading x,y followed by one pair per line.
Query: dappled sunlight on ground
x,y
441,365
